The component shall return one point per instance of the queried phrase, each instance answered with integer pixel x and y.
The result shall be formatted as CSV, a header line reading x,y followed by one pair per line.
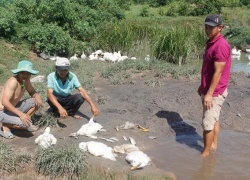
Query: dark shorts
x,y
8,117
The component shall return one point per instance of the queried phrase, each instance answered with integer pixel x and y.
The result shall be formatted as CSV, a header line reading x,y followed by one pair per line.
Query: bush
x,y
7,23
49,38
144,12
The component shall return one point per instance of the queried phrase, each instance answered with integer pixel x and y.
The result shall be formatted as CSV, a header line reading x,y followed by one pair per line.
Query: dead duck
x,y
46,139
98,149
89,129
137,159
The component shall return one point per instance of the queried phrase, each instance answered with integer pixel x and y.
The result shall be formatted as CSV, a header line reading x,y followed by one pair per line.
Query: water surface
x,y
231,161
241,63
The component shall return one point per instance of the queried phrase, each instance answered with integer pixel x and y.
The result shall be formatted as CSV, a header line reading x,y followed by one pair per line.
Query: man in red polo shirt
x,y
215,76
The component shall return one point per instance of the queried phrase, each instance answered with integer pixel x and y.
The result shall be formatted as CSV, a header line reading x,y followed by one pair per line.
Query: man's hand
x,y
63,113
38,100
26,119
95,111
207,101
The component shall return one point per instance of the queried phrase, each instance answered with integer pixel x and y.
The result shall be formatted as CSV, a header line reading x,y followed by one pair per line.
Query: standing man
x,y
215,75
14,112
60,86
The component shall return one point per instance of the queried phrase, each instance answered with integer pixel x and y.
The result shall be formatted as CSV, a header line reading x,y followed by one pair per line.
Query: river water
x,y
230,162
241,63
181,154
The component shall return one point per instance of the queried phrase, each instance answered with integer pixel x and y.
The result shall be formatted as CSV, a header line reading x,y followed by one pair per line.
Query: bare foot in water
x,y
204,154
77,116
213,147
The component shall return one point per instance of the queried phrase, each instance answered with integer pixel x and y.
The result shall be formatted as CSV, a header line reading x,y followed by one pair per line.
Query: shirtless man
x,y
14,112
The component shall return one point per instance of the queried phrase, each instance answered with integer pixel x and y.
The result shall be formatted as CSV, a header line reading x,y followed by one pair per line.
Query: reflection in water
x,y
206,170
182,129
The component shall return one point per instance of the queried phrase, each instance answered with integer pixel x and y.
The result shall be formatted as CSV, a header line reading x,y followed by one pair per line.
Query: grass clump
x,y
9,161
46,119
66,162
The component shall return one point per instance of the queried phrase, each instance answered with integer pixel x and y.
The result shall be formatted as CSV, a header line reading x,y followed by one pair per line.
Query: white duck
x,y
73,58
90,129
46,139
83,56
235,51
126,148
137,159
98,149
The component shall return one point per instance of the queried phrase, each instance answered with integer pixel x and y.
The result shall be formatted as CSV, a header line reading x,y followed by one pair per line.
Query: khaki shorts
x,y
8,117
211,116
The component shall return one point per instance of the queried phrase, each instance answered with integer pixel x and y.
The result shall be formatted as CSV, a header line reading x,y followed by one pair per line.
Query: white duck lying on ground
x,y
135,157
89,129
98,149
126,148
46,139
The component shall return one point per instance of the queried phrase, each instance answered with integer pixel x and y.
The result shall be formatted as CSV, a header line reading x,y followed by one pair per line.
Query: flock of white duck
x,y
135,157
98,55
236,53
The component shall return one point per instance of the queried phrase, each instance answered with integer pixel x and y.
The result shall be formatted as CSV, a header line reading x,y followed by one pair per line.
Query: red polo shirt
x,y
220,51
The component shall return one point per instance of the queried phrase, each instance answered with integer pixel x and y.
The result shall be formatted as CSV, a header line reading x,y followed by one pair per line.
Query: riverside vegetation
x,y
171,32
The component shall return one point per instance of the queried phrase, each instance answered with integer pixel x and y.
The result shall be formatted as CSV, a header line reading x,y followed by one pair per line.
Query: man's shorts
x,y
8,117
211,116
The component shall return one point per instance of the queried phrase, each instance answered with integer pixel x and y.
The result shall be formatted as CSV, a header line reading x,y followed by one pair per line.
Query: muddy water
x,y
181,155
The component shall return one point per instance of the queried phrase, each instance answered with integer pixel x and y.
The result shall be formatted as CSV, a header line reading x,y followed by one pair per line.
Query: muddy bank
x,y
172,113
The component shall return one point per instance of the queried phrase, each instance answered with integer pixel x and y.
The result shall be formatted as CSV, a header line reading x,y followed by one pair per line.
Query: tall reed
x,y
179,44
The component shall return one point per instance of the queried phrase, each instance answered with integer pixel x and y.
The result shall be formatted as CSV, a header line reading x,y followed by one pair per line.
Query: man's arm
x,y
63,113
33,94
218,66
9,90
85,95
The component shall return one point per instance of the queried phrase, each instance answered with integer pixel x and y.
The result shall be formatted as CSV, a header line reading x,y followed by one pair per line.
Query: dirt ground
x,y
167,110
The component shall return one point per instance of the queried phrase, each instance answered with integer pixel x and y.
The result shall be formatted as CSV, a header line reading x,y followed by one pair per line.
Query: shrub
x,y
144,12
49,38
7,23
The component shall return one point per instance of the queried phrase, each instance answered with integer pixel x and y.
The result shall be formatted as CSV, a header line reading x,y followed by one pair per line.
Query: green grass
x,y
10,161
67,162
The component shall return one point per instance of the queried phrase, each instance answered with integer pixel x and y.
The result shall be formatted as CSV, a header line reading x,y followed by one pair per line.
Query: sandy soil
x,y
173,108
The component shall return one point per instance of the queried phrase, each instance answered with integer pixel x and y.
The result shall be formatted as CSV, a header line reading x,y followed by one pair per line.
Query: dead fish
x,y
114,139
151,137
108,140
132,140
128,125
125,138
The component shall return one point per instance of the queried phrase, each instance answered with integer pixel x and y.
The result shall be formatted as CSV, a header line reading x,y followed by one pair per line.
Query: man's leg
x,y
216,136
208,137
72,103
12,121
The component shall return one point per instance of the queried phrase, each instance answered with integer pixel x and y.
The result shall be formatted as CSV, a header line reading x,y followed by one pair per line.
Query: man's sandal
x,y
32,128
7,135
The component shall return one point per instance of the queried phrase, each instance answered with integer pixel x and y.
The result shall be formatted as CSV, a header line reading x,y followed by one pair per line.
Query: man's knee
x,y
78,99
